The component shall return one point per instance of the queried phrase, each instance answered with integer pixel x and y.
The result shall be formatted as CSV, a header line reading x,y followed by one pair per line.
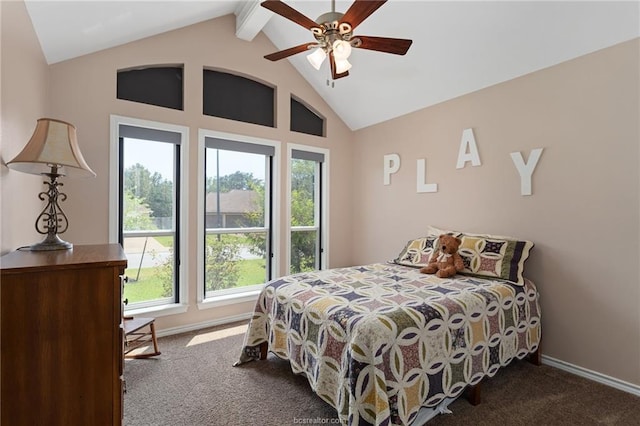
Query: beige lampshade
x,y
53,143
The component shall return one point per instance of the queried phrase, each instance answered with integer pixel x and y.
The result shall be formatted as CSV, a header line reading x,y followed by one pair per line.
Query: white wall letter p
x,y
391,165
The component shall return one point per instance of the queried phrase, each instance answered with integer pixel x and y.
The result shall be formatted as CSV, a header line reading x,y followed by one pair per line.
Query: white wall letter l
x,y
526,169
468,142
423,186
391,165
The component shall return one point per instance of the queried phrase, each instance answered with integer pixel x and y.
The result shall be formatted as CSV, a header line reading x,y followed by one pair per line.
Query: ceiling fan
x,y
333,32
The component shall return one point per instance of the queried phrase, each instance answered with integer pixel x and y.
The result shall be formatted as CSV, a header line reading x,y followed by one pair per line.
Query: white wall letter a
x,y
468,150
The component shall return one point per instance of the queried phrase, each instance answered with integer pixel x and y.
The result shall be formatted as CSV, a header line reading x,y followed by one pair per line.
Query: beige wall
x,y
83,92
583,216
24,88
584,212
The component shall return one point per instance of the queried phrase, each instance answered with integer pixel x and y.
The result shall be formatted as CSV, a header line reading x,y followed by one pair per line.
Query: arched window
x,y
237,98
305,120
160,86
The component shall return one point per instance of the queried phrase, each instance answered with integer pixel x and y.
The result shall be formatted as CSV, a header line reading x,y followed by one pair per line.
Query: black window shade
x,y
237,98
160,86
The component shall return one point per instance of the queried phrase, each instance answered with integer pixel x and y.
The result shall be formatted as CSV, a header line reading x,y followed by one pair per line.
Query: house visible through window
x,y
237,216
150,214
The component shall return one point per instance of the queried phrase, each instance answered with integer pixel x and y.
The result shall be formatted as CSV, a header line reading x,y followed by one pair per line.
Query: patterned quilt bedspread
x,y
379,341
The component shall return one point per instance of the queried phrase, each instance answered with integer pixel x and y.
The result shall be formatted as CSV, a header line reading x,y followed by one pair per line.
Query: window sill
x,y
159,311
229,299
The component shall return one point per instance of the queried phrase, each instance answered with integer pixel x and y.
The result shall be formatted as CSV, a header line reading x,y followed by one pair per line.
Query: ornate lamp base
x,y
52,219
51,242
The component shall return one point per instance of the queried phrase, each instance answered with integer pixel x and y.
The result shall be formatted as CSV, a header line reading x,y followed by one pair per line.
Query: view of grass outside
x,y
150,275
149,285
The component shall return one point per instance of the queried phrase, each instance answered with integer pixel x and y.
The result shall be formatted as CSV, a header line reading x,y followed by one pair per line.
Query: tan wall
x,y
84,93
584,211
583,216
24,83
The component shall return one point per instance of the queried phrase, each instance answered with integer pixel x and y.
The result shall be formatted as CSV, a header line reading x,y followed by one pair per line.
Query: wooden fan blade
x,y
360,10
397,46
335,75
276,6
288,52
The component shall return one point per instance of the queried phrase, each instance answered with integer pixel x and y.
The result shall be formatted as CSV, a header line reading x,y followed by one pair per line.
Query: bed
x,y
379,341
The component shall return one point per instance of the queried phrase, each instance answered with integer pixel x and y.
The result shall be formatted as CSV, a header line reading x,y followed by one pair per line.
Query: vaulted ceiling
x,y
458,47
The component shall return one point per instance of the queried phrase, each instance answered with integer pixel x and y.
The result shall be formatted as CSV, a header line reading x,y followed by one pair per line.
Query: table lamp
x,y
52,151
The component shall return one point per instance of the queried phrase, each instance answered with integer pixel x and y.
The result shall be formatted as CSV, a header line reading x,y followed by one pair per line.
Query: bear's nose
x,y
444,247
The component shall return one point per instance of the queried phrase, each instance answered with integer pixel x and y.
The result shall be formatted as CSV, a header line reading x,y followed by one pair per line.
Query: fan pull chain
x,y
333,82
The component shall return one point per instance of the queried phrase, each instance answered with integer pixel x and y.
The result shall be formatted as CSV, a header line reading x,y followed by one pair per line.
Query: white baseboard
x,y
201,325
592,375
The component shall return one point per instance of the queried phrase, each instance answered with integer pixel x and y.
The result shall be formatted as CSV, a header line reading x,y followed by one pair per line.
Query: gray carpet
x,y
193,383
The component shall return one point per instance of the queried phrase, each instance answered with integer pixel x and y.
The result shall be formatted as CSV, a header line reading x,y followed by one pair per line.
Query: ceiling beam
x,y
250,19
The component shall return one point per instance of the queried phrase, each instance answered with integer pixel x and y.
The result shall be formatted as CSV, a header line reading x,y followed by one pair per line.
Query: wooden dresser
x,y
61,341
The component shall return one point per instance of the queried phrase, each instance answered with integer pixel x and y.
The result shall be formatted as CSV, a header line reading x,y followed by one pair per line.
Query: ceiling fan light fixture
x,y
342,66
333,33
341,49
316,58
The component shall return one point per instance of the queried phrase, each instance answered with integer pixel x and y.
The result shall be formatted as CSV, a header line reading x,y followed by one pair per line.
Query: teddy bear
x,y
446,262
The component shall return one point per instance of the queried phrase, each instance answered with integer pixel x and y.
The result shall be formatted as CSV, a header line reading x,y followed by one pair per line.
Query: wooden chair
x,y
135,336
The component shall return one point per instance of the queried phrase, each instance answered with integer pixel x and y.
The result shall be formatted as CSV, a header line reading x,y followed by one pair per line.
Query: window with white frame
x,y
148,214
307,206
236,214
